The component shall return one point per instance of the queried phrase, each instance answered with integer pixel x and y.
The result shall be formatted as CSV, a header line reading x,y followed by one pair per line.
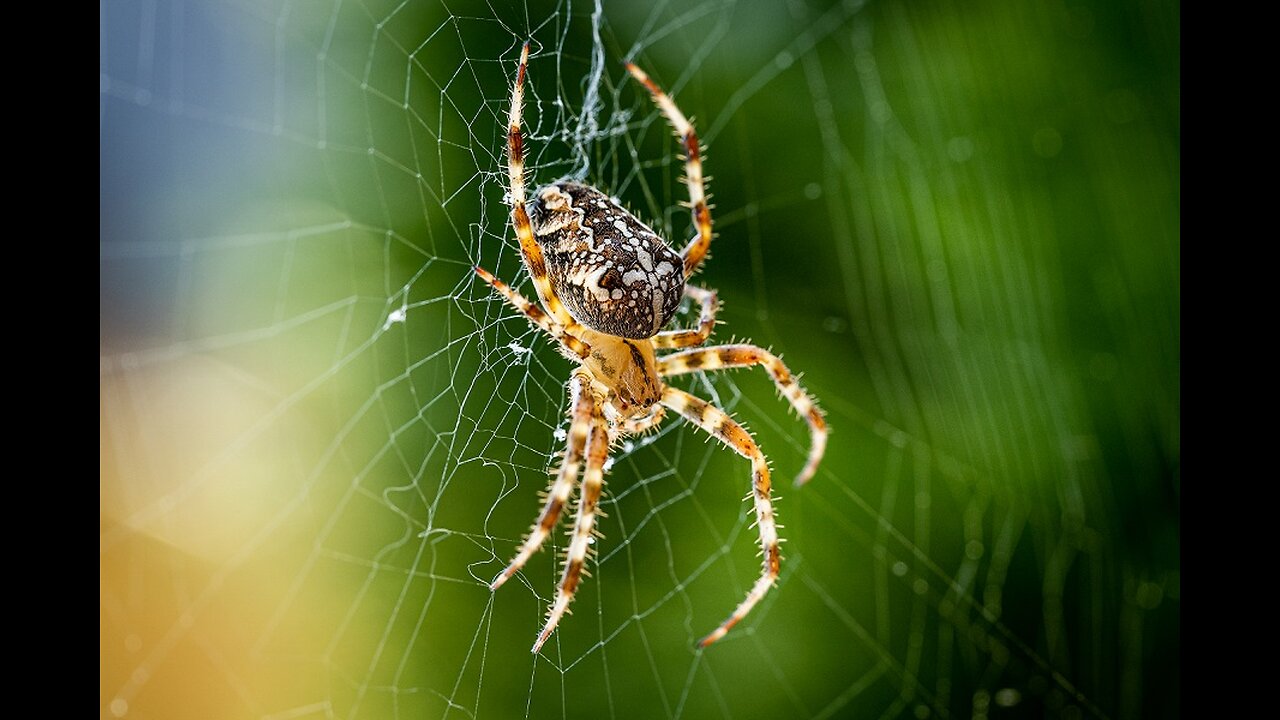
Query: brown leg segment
x,y
696,250
529,248
734,356
723,428
706,322
583,409
592,487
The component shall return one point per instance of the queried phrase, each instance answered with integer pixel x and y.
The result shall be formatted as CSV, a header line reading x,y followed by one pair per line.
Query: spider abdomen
x,y
613,272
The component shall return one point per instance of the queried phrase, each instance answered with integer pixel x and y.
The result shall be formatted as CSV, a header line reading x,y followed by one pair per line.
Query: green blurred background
x,y
321,437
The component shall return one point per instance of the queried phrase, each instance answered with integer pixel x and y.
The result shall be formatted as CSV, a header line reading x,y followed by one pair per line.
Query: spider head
x,y
613,272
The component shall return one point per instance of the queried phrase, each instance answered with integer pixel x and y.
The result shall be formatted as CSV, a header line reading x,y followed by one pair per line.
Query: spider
x,y
607,285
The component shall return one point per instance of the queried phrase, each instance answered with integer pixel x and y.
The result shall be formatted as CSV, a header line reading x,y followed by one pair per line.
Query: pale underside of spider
x,y
607,284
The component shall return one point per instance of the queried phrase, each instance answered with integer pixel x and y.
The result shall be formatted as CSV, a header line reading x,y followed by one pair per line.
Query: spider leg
x,y
584,409
735,356
536,315
592,486
698,335
529,248
718,424
696,250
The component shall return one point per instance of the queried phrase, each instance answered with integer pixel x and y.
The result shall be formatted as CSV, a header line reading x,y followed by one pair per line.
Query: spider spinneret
x,y
607,284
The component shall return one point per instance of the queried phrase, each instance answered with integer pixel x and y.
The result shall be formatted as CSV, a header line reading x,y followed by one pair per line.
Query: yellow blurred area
x,y
179,514
200,497
213,576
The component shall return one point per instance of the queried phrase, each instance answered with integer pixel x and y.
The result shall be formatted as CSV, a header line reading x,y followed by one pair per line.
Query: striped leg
x,y
706,322
697,248
735,356
529,248
583,413
723,428
536,315
592,486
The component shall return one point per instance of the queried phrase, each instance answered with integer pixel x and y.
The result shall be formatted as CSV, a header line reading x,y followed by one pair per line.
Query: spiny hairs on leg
x,y
696,251
515,141
742,355
530,251
576,558
583,410
722,427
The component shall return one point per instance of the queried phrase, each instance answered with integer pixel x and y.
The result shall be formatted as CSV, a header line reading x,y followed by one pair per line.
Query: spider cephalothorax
x,y
607,284
613,272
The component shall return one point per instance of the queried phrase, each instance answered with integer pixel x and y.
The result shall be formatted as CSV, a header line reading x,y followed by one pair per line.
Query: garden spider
x,y
607,284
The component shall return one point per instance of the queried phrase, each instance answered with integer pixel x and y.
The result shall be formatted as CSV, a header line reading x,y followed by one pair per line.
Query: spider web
x,y
321,436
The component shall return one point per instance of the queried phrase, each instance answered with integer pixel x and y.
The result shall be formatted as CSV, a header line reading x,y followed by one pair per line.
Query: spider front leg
x,y
696,250
583,411
722,427
736,356
530,251
592,486
706,322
